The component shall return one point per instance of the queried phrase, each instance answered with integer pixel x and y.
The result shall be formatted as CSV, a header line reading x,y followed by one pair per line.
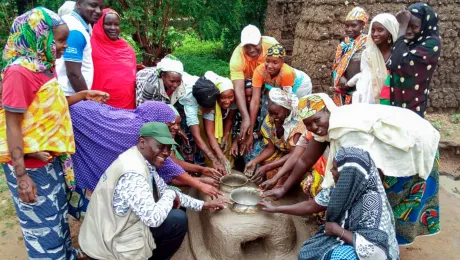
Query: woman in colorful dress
x,y
274,73
35,119
383,32
281,130
348,55
353,230
402,144
414,57
114,61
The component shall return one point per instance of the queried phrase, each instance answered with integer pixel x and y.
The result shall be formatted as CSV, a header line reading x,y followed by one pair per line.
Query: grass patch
x,y
6,203
201,56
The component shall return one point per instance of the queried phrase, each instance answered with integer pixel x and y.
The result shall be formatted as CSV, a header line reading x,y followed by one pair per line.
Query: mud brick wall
x,y
311,30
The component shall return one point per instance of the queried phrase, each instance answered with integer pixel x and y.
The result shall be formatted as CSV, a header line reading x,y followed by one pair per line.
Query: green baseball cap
x,y
159,131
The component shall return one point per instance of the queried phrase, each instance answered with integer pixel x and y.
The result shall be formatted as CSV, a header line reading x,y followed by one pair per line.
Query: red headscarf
x,y
114,66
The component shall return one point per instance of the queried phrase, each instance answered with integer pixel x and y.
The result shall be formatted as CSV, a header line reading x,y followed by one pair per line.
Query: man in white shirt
x,y
133,214
75,68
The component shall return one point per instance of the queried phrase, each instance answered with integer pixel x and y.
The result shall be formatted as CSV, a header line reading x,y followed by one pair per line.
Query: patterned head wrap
x,y
288,100
310,105
170,64
358,14
276,51
31,41
429,19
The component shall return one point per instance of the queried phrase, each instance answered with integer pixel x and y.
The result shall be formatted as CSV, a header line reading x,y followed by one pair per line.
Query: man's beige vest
x,y
105,235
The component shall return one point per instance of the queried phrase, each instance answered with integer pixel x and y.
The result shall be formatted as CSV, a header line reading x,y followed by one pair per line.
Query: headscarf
x,y
357,14
170,64
288,100
31,41
103,132
373,55
429,19
67,8
114,66
413,62
348,47
358,186
276,51
313,103
223,84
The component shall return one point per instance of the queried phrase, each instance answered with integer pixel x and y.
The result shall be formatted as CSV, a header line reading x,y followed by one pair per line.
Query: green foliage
x,y
455,118
201,56
436,125
6,203
156,27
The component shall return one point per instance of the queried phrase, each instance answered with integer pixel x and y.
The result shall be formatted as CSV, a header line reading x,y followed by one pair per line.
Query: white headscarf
x,y
373,68
288,100
66,8
170,64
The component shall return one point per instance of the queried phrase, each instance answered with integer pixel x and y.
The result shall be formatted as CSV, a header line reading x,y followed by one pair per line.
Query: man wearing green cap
x,y
133,214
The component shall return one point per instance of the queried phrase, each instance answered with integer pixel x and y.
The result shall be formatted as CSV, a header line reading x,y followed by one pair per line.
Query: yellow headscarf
x,y
358,14
310,105
277,51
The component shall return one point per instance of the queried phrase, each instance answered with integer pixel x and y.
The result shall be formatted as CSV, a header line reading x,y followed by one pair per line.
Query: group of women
x,y
373,169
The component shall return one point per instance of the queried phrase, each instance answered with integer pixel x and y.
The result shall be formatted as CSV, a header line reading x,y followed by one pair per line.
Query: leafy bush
x,y
201,56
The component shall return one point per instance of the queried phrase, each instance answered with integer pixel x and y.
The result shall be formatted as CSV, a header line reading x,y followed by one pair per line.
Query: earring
x,y
389,40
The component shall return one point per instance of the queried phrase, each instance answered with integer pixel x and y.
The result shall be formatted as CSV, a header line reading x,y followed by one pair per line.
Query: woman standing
x,y
114,61
414,58
383,33
348,55
35,118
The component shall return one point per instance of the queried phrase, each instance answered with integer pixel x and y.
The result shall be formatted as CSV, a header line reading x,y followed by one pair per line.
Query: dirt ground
x,y
447,124
442,246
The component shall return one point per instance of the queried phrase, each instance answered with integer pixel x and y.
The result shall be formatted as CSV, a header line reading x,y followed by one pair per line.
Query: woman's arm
x,y
26,187
277,164
228,124
265,154
195,129
207,189
303,208
93,95
286,168
209,129
310,156
334,229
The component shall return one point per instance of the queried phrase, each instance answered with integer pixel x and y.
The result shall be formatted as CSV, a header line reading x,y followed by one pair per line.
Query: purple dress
x,y
103,132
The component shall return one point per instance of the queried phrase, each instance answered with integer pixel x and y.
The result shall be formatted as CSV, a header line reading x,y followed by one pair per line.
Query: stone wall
x,y
311,30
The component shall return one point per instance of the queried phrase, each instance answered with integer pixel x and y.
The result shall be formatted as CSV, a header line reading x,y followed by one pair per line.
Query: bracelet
x,y
343,232
256,136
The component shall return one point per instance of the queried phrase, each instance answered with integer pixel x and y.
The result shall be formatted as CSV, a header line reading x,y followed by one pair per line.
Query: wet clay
x,y
228,235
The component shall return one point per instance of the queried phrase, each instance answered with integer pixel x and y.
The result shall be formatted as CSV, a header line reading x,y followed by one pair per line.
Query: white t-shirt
x,y
78,50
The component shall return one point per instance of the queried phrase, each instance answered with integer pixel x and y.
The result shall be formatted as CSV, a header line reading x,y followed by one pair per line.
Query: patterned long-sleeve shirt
x,y
132,192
